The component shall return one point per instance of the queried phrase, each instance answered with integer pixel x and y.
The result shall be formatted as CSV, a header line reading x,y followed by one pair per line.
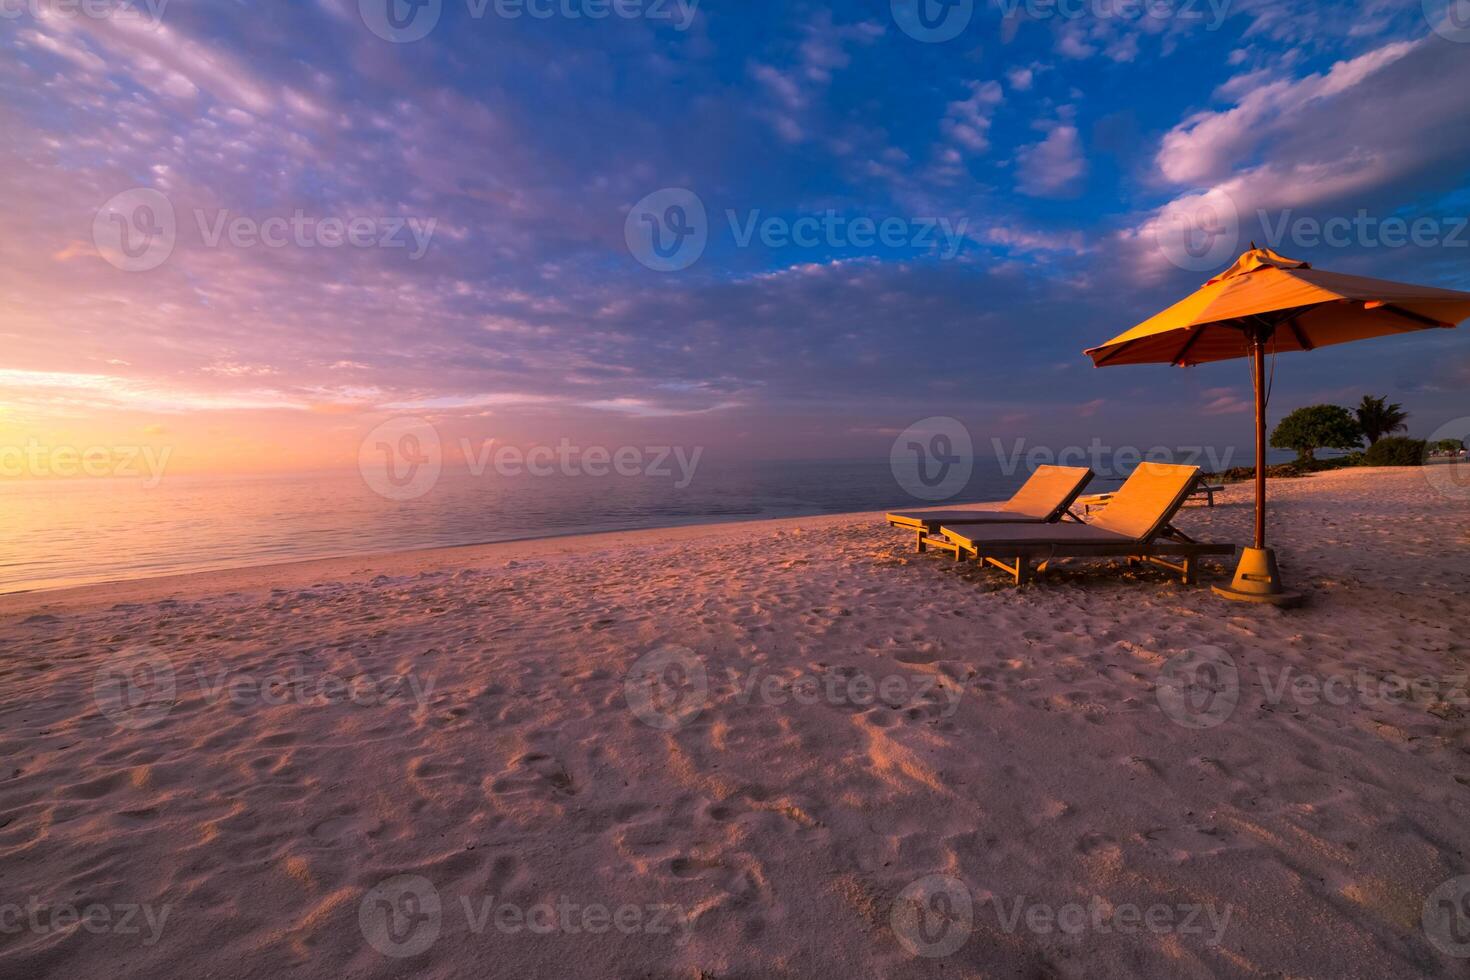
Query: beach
x,y
861,762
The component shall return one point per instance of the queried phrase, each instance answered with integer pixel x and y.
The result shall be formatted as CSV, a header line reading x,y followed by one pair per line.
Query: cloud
x,y
1072,42
1209,145
823,51
1224,401
99,392
1054,167
825,48
647,408
967,121
529,146
1035,240
73,50
783,86
1299,144
165,59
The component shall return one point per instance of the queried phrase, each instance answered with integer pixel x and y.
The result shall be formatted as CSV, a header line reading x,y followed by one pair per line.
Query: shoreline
x,y
48,585
347,567
417,559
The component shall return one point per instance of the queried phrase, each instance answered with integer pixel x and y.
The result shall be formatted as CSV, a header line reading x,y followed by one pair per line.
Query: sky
x,y
251,232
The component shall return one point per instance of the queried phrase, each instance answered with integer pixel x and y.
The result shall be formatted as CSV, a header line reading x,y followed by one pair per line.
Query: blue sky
x,y
1033,170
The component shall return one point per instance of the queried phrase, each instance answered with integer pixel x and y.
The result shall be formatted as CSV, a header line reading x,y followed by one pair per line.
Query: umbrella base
x,y
1257,579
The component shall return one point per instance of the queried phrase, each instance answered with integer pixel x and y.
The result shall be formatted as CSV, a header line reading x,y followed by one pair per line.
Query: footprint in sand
x,y
688,867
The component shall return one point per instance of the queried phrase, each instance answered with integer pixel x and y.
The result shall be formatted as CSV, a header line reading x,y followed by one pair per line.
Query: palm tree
x,y
1377,418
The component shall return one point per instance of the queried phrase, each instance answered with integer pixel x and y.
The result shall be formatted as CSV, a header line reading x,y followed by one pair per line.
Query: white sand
x,y
1029,759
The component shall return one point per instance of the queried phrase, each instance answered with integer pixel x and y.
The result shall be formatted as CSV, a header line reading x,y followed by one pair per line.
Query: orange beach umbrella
x,y
1266,303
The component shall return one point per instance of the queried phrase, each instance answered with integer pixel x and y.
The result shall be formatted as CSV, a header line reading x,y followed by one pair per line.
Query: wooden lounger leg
x,y
927,542
920,539
1021,571
1187,570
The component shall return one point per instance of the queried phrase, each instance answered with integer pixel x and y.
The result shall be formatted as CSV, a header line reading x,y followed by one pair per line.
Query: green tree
x,y
1378,418
1447,446
1317,427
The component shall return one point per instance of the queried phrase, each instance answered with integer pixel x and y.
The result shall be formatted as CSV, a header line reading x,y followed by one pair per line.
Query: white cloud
x,y
822,52
967,121
1327,139
109,392
1072,42
1055,166
824,49
1033,240
1209,144
784,87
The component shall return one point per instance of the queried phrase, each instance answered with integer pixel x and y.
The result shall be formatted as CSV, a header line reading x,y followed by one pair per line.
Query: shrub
x,y
1317,427
1395,451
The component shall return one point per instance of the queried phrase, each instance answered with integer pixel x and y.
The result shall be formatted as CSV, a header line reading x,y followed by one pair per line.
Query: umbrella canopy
x,y
1312,308
1267,303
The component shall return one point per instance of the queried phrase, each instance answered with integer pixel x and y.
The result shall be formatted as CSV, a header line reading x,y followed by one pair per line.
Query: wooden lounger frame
x,y
926,536
1172,550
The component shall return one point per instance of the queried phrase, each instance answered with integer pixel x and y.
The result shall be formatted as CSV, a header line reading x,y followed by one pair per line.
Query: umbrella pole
x,y
1257,579
1258,369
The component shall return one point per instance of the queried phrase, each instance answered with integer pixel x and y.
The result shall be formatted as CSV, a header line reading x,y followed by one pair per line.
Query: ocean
x,y
60,533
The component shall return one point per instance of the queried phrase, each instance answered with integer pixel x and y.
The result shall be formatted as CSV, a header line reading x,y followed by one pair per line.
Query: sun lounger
x,y
1134,526
1046,496
1097,501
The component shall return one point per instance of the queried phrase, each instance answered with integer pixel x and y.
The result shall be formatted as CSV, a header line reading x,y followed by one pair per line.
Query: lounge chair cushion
x,y
1147,500
1045,496
1048,491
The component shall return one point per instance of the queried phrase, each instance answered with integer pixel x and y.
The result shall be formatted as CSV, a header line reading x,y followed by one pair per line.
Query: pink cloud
x,y
1224,401
967,121
1055,166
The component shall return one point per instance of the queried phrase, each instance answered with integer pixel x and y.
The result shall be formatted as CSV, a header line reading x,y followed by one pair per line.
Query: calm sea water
x,y
62,533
